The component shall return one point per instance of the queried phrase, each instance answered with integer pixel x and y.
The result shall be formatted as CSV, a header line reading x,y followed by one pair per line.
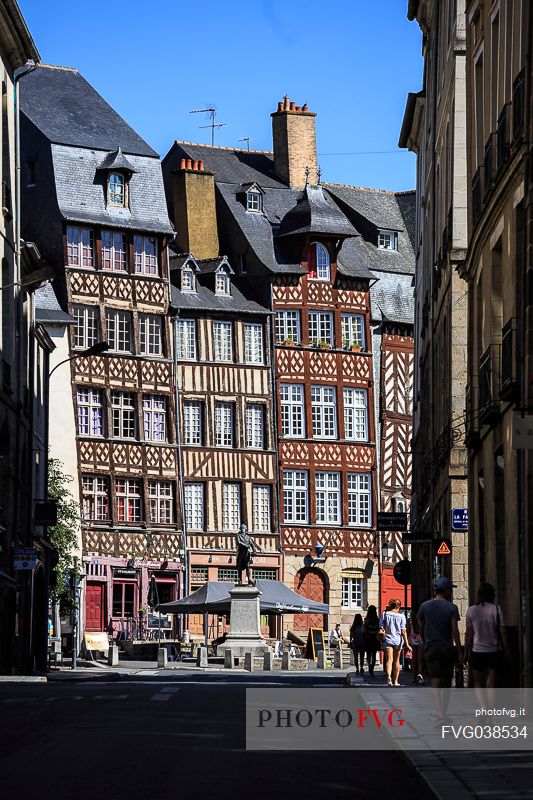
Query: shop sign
x,y
46,513
25,558
417,537
123,572
392,521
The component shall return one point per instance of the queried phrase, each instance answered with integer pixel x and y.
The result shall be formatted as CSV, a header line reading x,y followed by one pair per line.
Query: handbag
x,y
382,633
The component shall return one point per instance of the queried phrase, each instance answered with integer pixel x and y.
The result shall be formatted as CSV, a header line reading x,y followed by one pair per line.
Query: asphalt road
x,y
150,737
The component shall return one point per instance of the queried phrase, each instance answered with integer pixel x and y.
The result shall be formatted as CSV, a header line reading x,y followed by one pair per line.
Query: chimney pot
x,y
286,103
298,108
305,107
201,166
293,105
182,163
280,106
189,163
195,165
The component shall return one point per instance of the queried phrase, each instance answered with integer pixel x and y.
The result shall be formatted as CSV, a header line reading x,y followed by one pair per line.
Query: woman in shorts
x,y
483,639
393,623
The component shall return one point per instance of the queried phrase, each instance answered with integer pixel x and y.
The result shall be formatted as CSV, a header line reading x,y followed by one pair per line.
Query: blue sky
x,y
352,61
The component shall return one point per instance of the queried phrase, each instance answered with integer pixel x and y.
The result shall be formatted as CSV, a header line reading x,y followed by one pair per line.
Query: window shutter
x,y
311,261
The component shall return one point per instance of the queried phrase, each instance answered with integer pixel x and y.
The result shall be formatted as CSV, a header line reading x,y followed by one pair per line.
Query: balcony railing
x,y
477,195
503,136
518,105
489,385
471,416
509,362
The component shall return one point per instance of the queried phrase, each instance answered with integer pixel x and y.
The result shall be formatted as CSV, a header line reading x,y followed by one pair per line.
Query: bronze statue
x,y
246,549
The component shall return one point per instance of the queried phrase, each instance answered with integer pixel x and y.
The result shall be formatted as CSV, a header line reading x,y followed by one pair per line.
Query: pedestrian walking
x,y
370,637
392,632
484,644
356,643
414,638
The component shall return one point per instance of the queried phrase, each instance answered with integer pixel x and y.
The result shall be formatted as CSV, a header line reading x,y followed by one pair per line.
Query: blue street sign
x,y
459,519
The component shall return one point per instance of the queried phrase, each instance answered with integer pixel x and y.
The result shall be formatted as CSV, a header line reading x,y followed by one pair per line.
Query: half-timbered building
x,y
314,254
93,200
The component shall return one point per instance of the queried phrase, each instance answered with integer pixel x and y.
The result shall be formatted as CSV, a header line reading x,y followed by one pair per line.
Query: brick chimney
x,y
294,142
193,200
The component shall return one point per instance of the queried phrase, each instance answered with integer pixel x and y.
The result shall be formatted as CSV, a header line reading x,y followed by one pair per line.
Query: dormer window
x,y
222,283
387,240
254,200
116,195
319,264
188,283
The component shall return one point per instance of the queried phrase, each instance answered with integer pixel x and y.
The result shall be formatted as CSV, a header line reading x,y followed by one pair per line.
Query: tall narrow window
x,y
292,410
261,508
90,412
114,245
119,330
254,200
253,344
80,247
192,422
321,328
95,497
161,497
151,334
287,327
222,283
194,506
223,349
353,331
353,592
154,417
359,501
116,195
324,412
128,499
319,268
186,339
356,414
123,415
188,282
328,498
231,506
145,255
255,424
85,327
224,435
295,496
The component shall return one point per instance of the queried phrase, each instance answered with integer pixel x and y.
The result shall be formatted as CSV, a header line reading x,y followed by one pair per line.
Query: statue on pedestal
x,y
246,549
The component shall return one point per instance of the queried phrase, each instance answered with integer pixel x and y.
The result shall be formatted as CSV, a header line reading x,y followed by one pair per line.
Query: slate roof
x,y
117,161
240,301
229,165
47,308
314,213
81,191
68,110
392,298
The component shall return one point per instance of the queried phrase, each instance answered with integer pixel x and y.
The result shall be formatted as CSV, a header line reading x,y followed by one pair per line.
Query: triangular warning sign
x,y
444,550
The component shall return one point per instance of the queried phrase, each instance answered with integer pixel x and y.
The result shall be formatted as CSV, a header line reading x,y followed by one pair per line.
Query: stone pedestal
x,y
112,655
201,657
162,657
245,627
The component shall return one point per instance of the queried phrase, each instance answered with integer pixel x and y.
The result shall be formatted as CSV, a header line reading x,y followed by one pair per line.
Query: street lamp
x,y
94,350
387,551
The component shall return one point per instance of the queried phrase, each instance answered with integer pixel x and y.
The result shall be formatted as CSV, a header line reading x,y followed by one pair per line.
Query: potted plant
x,y
289,341
324,345
143,611
355,347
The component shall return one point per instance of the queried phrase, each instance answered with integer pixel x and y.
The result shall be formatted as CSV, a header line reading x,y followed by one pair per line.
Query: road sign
x,y
25,558
459,519
417,537
402,572
392,521
442,547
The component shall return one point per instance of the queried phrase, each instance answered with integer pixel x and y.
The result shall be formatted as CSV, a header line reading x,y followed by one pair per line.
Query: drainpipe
x,y
181,487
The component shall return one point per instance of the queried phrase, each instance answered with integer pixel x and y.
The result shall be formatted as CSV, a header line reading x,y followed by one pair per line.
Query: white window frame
x,y
355,414
186,339
292,396
321,328
123,415
328,498
231,506
161,499
353,592
224,424
119,330
222,282
114,251
193,422
155,417
254,201
130,491
359,499
288,327
90,411
95,498
296,496
194,497
86,328
222,341
387,240
261,508
151,334
145,255
80,247
255,425
322,263
353,331
324,412
188,280
253,343
117,197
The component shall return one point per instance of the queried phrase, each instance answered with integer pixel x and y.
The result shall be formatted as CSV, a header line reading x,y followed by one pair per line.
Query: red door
x,y
94,607
311,584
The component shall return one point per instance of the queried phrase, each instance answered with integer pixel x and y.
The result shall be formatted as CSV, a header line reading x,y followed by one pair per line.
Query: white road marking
x,y
165,694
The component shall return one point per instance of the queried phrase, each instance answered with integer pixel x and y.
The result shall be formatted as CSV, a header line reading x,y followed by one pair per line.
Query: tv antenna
x,y
211,110
247,139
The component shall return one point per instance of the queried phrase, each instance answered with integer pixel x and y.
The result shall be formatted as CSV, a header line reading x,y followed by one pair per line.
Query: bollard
x,y
229,661
112,655
248,662
162,657
337,658
321,660
268,661
201,657
286,661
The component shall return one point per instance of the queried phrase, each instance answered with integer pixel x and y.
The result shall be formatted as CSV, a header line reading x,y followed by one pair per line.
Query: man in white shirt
x,y
336,638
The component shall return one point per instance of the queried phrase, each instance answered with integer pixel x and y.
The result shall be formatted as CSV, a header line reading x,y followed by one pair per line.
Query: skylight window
x,y
387,240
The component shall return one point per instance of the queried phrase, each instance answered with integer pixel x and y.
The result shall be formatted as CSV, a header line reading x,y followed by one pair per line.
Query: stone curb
x,y
23,679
